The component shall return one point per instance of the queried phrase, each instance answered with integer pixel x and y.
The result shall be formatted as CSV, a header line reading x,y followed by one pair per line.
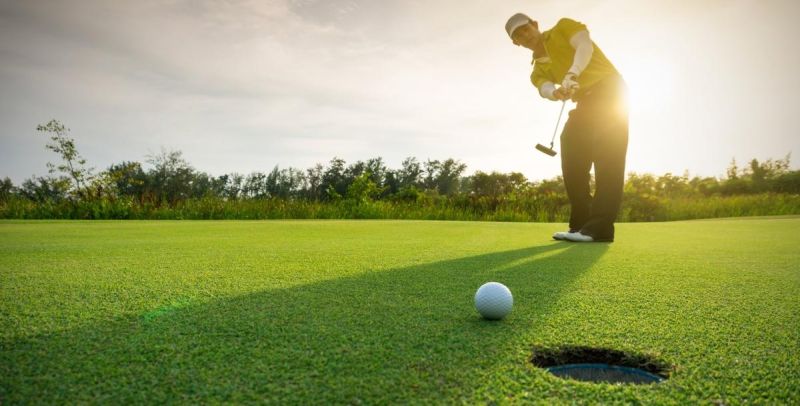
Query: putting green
x,y
315,312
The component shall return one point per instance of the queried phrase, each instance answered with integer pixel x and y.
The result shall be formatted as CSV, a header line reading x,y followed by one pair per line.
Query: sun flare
x,y
650,80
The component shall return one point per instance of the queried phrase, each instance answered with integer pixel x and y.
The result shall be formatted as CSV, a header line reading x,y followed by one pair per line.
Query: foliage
x,y
73,166
363,189
168,186
7,189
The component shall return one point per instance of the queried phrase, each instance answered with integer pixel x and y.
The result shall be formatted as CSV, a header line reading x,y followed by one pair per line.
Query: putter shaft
x,y
555,131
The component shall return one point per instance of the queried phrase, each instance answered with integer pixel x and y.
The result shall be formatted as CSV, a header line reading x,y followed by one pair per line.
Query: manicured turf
x,y
316,312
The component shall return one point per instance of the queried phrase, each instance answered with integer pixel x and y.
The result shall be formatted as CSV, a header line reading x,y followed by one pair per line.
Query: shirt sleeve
x,y
568,27
583,52
540,75
547,91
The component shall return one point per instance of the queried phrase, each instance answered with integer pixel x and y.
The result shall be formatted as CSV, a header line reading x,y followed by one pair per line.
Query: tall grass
x,y
767,204
543,209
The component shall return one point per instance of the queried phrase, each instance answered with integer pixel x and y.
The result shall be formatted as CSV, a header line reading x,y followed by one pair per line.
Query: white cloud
x,y
244,85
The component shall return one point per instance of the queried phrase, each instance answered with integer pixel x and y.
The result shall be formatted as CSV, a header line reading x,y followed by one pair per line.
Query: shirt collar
x,y
544,59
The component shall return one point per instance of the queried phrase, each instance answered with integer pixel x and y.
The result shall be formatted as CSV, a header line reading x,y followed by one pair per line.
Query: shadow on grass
x,y
406,333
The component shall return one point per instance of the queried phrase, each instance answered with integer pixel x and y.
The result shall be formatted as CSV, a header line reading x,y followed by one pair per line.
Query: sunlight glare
x,y
650,80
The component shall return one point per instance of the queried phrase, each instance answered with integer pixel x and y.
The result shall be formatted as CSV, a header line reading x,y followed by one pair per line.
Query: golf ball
x,y
493,300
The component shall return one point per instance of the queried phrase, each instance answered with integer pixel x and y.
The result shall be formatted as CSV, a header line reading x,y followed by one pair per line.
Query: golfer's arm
x,y
583,51
547,90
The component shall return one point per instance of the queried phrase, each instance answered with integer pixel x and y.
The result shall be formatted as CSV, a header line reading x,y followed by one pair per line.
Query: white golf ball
x,y
493,300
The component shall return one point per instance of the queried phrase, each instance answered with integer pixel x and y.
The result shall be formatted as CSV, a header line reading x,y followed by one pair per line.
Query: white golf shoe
x,y
578,237
562,235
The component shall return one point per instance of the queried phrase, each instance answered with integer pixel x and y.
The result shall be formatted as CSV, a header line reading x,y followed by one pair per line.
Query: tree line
x,y
167,180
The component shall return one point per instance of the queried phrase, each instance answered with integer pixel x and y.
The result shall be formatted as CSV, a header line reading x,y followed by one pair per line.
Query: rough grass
x,y
534,208
319,312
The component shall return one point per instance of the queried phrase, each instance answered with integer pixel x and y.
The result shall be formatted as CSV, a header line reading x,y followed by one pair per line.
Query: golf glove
x,y
570,82
563,93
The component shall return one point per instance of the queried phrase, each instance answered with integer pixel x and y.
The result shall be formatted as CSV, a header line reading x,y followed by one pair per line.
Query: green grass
x,y
544,207
319,312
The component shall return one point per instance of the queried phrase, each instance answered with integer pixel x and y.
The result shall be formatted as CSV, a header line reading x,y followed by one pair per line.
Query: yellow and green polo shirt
x,y
561,53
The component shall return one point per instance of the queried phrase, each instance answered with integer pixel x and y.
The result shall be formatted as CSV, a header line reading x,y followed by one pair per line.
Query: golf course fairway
x,y
379,312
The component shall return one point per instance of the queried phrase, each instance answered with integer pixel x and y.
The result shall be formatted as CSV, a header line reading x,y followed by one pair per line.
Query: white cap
x,y
516,21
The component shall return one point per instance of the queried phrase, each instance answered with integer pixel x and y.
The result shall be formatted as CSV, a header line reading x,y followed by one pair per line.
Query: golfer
x,y
567,65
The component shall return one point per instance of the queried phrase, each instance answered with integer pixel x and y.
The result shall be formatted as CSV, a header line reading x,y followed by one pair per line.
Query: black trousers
x,y
596,133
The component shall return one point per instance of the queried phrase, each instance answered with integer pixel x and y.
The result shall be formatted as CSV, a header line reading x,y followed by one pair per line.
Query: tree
x,y
233,187
432,169
669,185
334,181
377,170
764,174
484,184
73,164
788,182
363,189
171,177
295,180
353,171
314,176
495,184
391,184
205,185
128,178
733,170
706,186
6,189
410,174
42,190
255,186
517,182
445,175
284,183
644,184
216,185
550,187
274,184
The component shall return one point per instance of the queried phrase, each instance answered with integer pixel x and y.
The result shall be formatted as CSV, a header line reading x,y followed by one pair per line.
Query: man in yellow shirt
x,y
567,65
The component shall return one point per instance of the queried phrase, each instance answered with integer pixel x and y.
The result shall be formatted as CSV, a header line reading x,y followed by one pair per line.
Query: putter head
x,y
546,150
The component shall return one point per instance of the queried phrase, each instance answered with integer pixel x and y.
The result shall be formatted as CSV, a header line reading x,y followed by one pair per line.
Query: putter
x,y
550,151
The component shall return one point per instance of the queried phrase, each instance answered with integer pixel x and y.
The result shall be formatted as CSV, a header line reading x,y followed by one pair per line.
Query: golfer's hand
x,y
570,82
562,94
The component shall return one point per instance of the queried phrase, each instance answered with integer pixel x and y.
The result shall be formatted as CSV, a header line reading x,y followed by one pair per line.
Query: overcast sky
x,y
241,86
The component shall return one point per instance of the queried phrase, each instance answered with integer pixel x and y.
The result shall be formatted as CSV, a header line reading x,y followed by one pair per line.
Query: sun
x,y
650,80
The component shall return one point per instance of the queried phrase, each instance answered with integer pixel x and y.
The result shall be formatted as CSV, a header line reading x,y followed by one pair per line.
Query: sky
x,y
242,86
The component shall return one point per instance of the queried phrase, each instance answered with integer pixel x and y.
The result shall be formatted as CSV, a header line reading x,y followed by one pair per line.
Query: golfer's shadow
x,y
411,330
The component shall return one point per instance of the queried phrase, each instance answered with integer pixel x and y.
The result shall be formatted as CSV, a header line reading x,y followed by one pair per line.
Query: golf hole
x,y
590,364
